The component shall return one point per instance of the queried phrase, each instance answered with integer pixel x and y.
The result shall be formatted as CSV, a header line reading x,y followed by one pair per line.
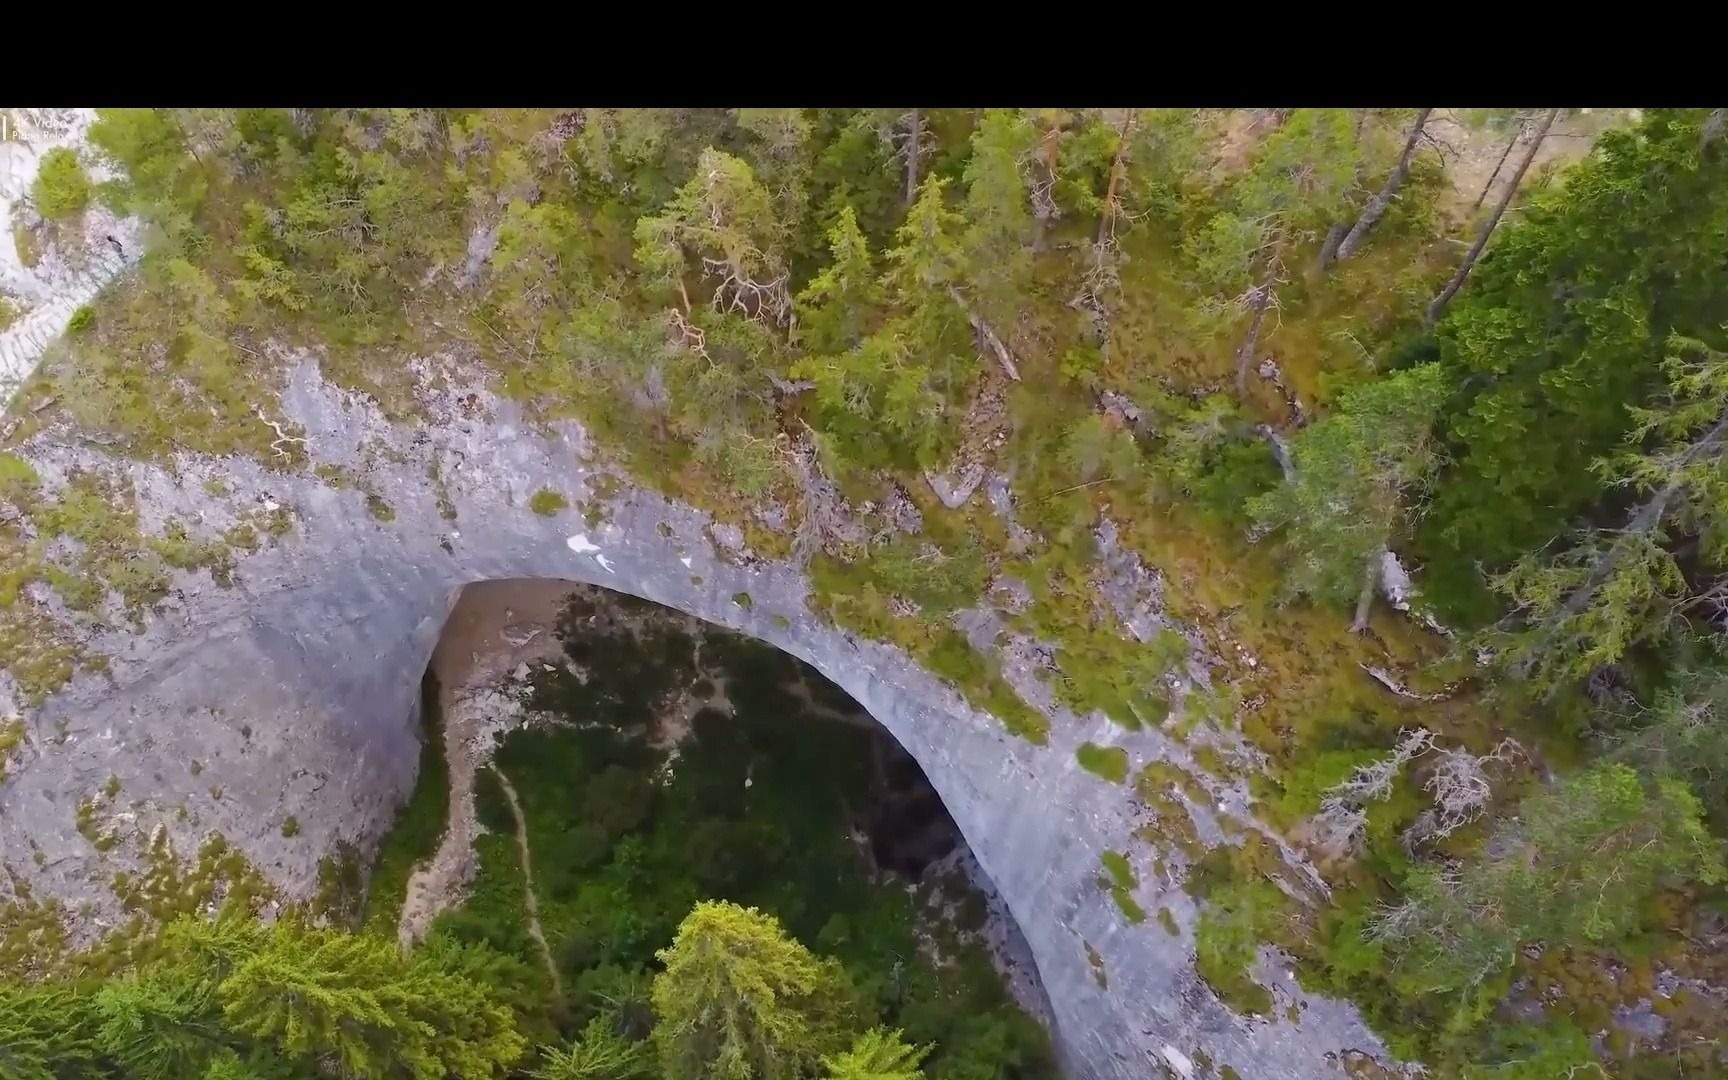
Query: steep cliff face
x,y
290,691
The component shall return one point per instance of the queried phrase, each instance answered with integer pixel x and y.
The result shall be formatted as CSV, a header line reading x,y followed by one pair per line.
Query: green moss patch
x,y
1110,762
547,502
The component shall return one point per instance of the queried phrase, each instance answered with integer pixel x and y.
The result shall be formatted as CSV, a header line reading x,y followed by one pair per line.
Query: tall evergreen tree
x,y
740,1000
1355,476
1584,608
354,998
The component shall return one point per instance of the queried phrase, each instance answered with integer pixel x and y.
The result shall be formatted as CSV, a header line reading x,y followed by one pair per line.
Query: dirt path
x,y
494,630
529,903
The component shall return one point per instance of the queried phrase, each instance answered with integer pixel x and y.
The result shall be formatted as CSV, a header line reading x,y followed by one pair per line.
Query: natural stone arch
x,y
295,689
505,633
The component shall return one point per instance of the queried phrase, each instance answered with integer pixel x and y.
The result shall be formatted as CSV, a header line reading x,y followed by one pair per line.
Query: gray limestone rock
x,y
956,487
294,690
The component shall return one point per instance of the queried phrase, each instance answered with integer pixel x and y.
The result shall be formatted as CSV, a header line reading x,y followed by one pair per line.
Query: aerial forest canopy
x,y
1285,357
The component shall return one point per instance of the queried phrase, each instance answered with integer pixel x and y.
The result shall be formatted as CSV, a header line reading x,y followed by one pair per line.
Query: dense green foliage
x,y
776,307
1355,472
1562,331
283,1001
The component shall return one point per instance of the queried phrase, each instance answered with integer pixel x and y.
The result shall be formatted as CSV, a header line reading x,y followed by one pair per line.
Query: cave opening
x,y
598,763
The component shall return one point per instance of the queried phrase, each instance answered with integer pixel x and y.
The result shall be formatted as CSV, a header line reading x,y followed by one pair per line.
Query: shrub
x,y
62,190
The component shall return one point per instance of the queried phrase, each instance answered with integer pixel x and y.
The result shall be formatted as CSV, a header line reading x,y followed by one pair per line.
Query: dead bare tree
x,y
1343,814
1461,791
1458,783
1519,126
1257,300
1101,275
1438,305
1042,175
1382,199
909,137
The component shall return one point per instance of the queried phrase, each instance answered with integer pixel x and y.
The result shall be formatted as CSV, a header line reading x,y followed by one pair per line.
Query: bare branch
x,y
1385,678
687,335
1461,790
1003,356
764,301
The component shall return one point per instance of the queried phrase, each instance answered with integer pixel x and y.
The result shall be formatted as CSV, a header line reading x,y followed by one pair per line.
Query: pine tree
x,y
878,1054
1584,608
781,145
838,305
740,1000
996,245
316,993
163,181
1575,866
726,222
537,266
884,396
600,1054
62,188
1295,187
1355,475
